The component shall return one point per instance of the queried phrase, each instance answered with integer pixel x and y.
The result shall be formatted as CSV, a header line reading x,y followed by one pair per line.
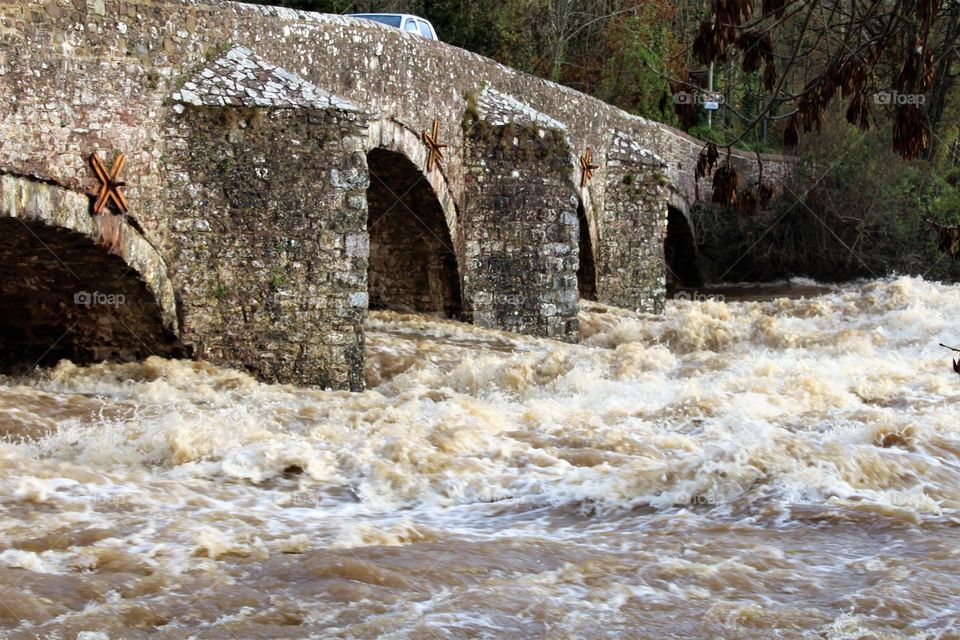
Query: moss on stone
x,y
551,147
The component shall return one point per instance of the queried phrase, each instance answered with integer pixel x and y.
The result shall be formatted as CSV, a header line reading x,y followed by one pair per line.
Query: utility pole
x,y
710,92
765,121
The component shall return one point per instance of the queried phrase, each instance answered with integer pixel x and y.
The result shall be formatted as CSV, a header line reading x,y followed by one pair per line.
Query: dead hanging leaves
x,y
725,182
918,70
713,42
850,77
758,49
791,134
706,161
948,238
858,113
683,103
766,193
846,77
714,38
776,7
753,199
927,12
811,111
746,203
910,128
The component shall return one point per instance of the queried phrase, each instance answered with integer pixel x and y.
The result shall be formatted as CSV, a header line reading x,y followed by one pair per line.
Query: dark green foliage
x,y
866,216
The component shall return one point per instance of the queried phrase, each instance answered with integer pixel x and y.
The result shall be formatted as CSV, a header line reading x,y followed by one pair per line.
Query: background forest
x,y
818,74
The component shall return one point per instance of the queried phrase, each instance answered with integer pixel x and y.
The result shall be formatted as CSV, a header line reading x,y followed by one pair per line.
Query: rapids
x,y
752,468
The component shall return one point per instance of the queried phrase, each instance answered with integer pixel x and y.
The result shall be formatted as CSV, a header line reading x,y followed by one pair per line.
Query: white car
x,y
406,22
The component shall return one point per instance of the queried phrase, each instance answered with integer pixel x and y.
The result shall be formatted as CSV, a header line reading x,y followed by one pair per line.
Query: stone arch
x,y
413,261
589,200
680,253
587,267
393,136
676,200
77,286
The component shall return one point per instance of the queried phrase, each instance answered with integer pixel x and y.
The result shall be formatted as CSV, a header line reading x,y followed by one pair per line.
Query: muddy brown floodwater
x,y
769,467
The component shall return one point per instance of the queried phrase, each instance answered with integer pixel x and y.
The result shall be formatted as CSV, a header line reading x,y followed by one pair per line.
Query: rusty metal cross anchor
x,y
432,140
109,185
585,163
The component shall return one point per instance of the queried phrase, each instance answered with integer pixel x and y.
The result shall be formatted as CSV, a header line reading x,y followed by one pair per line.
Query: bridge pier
x,y
631,227
269,224
520,220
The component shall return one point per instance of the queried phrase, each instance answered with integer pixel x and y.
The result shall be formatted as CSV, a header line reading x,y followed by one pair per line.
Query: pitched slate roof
x,y
243,79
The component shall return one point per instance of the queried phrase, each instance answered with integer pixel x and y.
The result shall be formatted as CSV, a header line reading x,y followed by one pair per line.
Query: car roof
x,y
402,15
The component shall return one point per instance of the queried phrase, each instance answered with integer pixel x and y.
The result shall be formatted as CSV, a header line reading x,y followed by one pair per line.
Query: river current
x,y
751,468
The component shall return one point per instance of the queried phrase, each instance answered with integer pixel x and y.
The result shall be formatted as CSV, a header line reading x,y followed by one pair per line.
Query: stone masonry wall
x,y
631,228
270,248
83,75
520,221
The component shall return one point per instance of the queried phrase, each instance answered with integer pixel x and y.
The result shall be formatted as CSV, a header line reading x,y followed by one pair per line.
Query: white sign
x,y
711,105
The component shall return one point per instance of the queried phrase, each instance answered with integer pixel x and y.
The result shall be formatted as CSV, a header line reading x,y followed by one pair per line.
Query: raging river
x,y
754,467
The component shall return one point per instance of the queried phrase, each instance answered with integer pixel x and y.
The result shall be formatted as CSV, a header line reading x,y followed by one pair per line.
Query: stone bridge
x,y
280,185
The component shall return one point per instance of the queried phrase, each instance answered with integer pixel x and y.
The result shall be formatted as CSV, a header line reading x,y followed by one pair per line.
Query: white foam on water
x,y
831,408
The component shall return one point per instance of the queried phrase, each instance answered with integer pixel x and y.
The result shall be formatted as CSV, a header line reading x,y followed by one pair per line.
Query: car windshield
x,y
425,29
393,21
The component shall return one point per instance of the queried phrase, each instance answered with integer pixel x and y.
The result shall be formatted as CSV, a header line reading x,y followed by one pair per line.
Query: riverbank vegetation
x,y
853,209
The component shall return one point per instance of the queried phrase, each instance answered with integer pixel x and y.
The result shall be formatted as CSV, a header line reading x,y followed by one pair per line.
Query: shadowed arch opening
x,y
64,296
680,251
413,264
587,271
